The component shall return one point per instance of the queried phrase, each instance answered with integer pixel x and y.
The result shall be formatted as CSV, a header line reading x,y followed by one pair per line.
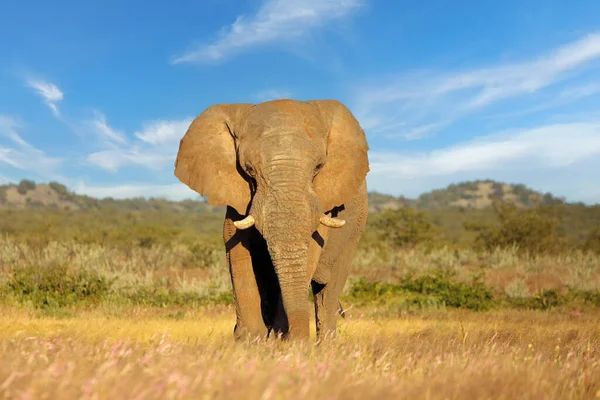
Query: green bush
x,y
25,185
531,230
403,227
59,188
552,298
56,286
437,289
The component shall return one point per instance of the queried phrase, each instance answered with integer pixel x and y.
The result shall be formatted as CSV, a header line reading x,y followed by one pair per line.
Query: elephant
x,y
292,177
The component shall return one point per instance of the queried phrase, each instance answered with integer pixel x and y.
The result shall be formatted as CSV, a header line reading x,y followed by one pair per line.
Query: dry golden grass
x,y
142,354
175,265
115,350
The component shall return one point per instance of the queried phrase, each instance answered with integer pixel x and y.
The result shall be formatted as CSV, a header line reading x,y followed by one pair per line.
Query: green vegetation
x,y
164,254
403,227
121,298
55,286
530,230
433,290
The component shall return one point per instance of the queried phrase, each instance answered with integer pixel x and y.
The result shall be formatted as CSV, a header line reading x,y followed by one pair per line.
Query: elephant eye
x,y
317,169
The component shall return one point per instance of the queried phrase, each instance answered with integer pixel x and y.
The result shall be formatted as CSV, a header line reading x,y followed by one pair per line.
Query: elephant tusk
x,y
332,222
245,223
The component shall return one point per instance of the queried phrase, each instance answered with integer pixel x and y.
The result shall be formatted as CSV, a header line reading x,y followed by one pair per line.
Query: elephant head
x,y
284,165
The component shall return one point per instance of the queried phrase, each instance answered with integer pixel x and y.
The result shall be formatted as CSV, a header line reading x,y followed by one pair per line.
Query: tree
x,y
59,188
403,227
532,230
25,185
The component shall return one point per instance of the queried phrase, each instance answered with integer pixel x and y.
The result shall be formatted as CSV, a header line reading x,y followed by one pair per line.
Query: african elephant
x,y
292,175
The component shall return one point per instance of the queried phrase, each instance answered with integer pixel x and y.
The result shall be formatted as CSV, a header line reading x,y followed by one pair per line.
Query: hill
x,y
28,194
465,195
477,195
482,194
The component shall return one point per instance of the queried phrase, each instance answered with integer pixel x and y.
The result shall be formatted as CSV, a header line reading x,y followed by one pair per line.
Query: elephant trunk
x,y
290,259
290,215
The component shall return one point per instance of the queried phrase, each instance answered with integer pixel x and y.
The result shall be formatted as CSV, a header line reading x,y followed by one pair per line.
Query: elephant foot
x,y
249,334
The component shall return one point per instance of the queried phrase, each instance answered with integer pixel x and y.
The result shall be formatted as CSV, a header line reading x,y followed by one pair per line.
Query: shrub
x,y
25,185
56,286
59,188
403,227
531,230
433,289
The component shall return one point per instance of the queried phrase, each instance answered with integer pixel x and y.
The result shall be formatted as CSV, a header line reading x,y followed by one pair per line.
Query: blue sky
x,y
98,94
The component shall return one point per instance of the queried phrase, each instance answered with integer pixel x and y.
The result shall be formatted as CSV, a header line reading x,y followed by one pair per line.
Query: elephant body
x,y
292,175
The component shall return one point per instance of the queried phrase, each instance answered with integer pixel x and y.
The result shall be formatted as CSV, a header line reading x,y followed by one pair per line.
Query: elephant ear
x,y
207,158
347,163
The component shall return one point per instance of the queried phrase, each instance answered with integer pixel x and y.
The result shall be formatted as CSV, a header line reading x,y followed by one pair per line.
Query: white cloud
x,y
155,149
8,128
107,132
577,92
426,98
22,155
114,159
174,191
163,131
518,153
7,158
275,21
272,94
49,92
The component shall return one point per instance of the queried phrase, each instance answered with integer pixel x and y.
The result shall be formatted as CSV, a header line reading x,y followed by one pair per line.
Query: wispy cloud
x,y
18,153
420,99
9,127
105,131
272,94
581,91
49,92
547,148
155,148
161,132
275,21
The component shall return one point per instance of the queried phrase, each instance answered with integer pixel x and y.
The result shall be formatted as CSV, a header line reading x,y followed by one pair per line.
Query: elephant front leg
x,y
249,317
327,308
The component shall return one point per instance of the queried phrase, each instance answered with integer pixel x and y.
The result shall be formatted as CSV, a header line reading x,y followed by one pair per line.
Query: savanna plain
x,y
134,301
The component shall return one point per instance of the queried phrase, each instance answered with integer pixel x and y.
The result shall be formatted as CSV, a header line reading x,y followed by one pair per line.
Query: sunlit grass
x,y
114,347
147,353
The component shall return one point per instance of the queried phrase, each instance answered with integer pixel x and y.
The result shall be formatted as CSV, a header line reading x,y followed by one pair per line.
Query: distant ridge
x,y
469,195
477,194
28,194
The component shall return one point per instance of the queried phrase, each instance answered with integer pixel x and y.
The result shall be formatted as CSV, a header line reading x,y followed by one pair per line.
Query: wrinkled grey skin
x,y
280,167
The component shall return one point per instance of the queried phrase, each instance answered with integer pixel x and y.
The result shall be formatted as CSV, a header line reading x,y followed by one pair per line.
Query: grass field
x,y
147,353
90,320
